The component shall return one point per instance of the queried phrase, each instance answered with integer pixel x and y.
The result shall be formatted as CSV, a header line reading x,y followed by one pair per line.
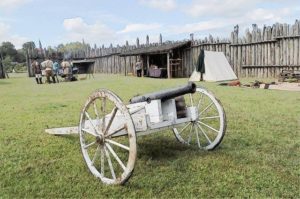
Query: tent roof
x,y
161,49
217,68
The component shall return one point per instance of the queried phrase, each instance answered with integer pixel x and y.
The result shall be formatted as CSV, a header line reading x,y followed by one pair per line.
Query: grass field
x,y
259,156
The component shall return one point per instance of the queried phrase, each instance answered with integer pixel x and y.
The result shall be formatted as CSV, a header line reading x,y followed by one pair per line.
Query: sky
x,y
103,22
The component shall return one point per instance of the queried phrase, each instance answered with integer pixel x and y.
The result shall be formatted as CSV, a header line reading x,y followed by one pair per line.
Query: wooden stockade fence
x,y
261,52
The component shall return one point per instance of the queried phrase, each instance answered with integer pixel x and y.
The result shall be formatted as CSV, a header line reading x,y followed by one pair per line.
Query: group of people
x,y
51,70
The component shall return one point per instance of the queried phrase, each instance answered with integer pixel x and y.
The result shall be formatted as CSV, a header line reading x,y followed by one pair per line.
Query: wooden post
x,y
147,40
239,61
160,39
192,38
2,72
130,64
125,66
168,66
148,63
137,42
29,69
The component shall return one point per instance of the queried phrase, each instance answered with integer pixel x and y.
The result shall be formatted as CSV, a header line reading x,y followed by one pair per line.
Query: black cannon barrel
x,y
165,94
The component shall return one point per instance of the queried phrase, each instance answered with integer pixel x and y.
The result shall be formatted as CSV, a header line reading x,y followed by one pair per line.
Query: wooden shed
x,y
84,66
163,60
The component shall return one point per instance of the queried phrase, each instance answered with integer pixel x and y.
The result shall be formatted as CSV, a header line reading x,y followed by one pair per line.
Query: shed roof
x,y
84,61
161,49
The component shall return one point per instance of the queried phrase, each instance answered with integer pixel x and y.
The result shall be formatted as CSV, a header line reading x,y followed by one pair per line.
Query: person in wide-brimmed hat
x,y
36,67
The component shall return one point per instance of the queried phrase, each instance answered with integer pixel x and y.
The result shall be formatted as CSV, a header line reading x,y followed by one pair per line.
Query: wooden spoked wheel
x,y
207,129
107,137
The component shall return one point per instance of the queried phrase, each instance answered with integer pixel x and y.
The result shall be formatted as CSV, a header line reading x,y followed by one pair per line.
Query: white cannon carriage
x,y
108,128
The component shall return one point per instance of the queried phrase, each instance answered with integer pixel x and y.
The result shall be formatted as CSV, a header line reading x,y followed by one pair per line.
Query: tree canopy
x,y
8,49
30,45
71,47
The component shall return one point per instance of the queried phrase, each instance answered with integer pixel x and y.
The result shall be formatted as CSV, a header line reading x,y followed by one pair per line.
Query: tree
x,y
30,48
71,47
7,64
8,49
30,45
20,57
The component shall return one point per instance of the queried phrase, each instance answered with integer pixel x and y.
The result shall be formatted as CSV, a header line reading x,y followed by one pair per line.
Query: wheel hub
x,y
193,113
100,139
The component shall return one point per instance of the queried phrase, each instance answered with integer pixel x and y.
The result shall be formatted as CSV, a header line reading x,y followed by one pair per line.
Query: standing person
x,y
47,65
55,68
138,68
36,67
66,68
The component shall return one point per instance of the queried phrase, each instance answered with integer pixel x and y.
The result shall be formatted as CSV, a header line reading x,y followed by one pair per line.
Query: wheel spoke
x,y
115,156
200,100
95,155
91,144
110,164
96,110
197,135
114,112
190,135
191,98
102,161
118,144
103,109
206,108
208,126
89,132
201,129
212,117
116,131
89,118
184,127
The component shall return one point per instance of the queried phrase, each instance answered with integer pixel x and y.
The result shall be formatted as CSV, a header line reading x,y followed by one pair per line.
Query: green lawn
x,y
259,155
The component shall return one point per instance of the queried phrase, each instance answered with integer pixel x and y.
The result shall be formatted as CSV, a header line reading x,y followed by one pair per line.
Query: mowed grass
x,y
258,157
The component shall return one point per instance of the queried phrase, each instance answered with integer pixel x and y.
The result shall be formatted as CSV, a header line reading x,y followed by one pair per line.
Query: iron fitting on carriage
x,y
165,94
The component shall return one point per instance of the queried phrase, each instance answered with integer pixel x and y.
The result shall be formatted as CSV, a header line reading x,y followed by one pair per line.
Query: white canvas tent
x,y
217,68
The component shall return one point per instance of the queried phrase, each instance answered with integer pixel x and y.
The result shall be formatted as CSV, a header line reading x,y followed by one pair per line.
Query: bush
x,y
9,65
20,67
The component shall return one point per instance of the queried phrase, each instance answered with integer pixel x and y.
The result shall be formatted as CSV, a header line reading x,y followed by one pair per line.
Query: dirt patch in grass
x,y
285,86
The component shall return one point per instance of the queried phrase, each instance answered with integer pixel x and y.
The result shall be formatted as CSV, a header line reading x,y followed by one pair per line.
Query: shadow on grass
x,y
163,148
4,83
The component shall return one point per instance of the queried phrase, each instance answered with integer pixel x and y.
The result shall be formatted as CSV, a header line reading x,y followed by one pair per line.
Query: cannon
x,y
108,128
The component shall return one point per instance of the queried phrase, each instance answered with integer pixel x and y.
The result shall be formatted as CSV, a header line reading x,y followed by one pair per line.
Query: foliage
x,y
258,158
71,47
20,56
30,45
8,49
20,68
12,58
7,64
